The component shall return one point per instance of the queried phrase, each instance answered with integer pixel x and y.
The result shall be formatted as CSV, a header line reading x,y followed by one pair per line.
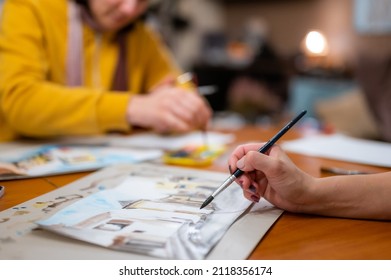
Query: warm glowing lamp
x,y
315,44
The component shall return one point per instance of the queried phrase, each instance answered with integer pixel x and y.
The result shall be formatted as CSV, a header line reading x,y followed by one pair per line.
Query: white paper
x,y
34,161
172,142
341,147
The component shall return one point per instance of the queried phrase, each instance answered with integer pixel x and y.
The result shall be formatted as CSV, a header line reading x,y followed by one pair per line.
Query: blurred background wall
x,y
289,21
253,51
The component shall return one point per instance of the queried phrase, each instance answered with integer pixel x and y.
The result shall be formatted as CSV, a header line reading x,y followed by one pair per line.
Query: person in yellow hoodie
x,y
88,67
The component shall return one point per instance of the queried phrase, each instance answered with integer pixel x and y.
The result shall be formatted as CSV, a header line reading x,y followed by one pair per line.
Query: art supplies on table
x,y
19,160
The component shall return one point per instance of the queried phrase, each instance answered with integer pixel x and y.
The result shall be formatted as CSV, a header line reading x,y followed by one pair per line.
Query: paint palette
x,y
193,155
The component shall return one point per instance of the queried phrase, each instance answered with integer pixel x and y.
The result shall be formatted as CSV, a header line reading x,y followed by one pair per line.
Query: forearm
x,y
352,196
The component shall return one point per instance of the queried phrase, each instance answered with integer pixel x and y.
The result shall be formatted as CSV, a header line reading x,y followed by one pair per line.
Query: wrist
x,y
135,109
311,198
322,194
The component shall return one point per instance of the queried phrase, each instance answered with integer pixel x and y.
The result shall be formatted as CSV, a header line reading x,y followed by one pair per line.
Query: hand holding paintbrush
x,y
169,108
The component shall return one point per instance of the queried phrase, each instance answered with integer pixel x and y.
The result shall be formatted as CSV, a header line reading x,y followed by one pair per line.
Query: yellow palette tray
x,y
193,155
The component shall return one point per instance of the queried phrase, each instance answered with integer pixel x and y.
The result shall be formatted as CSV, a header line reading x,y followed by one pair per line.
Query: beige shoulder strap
x,y
74,59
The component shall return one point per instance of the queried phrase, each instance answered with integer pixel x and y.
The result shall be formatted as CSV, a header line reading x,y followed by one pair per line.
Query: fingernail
x,y
252,189
240,163
240,183
255,198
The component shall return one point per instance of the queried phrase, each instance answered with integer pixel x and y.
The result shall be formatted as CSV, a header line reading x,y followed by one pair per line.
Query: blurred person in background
x,y
260,89
373,75
88,67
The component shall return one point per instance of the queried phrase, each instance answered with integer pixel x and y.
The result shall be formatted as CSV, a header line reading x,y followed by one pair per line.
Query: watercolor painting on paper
x,y
60,159
154,212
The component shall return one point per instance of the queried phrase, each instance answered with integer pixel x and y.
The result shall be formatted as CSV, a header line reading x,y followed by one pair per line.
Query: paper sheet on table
x,y
341,147
171,142
24,161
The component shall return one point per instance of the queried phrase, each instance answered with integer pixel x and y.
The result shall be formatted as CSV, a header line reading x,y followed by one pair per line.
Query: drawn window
x,y
114,225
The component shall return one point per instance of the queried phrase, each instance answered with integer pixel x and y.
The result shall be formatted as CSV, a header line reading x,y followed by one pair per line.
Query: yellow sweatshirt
x,y
34,98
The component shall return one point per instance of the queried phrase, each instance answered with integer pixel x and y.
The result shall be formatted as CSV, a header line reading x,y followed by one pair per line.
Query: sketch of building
x,y
152,214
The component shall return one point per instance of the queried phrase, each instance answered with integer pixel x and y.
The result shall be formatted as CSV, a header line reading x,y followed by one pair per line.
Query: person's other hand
x,y
169,109
272,176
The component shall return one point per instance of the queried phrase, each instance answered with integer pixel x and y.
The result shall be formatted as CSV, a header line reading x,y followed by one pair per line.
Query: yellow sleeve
x,y
29,102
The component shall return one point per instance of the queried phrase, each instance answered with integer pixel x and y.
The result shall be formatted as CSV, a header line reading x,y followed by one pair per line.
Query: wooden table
x,y
293,236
